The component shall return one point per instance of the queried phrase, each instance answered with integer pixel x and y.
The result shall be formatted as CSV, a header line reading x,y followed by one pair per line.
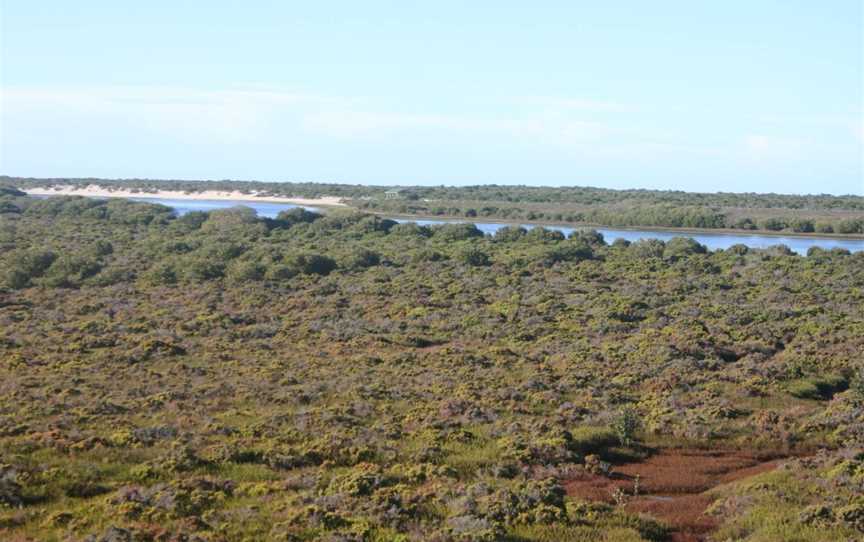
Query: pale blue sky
x,y
736,96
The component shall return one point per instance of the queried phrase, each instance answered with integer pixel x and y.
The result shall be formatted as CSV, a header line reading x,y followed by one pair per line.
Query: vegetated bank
x,y
795,214
636,214
218,376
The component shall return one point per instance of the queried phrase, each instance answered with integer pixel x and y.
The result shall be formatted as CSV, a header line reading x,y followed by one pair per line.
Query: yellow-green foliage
x,y
231,378
809,500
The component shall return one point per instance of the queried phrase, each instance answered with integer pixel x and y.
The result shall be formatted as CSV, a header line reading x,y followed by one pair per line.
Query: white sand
x,y
95,190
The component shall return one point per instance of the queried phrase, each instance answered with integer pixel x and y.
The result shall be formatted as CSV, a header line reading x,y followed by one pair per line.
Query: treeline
x,y
576,195
603,196
117,210
666,216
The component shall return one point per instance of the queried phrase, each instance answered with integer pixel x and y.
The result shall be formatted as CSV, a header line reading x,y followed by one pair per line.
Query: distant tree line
x,y
575,205
485,193
637,215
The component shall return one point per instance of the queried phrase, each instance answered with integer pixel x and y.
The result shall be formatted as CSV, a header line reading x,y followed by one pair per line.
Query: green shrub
x,y
474,257
570,251
362,479
411,229
772,224
371,224
593,440
850,226
280,271
857,384
456,232
201,269
192,220
647,248
298,215
23,266
592,237
745,224
802,225
162,273
312,264
626,424
510,234
71,270
542,234
11,191
681,247
245,271
818,388
361,258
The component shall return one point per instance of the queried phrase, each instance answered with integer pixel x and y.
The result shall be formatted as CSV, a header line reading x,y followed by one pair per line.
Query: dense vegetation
x,y
487,193
825,214
632,214
342,377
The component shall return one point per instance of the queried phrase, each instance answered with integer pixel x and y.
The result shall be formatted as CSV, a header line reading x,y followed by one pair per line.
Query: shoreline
x,y
97,191
575,225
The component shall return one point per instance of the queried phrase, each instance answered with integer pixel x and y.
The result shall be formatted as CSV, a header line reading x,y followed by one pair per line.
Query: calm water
x,y
711,240
183,206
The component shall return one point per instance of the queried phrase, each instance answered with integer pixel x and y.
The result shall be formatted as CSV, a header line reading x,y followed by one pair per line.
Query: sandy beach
x,y
98,191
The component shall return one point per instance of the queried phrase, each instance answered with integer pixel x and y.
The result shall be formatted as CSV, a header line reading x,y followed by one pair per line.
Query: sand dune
x,y
107,192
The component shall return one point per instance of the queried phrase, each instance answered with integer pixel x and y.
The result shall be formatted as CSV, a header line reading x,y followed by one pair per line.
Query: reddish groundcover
x,y
670,485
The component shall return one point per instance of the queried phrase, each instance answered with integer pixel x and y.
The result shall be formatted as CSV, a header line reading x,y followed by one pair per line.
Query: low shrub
x,y
821,388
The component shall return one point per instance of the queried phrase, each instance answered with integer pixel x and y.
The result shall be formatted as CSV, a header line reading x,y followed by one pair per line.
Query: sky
x,y
740,95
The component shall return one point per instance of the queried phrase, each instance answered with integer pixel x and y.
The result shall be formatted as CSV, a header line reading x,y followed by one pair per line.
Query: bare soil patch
x,y
670,485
